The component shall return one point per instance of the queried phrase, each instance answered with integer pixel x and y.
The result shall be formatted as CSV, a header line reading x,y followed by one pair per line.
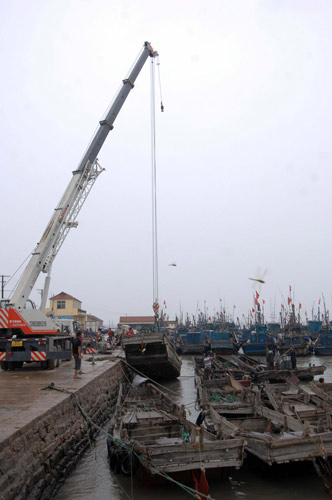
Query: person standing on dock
x,y
76,349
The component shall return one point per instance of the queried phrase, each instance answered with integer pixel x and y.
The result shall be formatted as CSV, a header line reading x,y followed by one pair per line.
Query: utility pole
x,y
3,276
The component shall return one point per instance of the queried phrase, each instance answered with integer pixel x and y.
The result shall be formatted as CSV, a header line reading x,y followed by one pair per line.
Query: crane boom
x,y
64,216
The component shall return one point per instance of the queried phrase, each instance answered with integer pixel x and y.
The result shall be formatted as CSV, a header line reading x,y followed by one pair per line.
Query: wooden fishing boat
x,y
258,371
223,392
151,436
152,354
323,390
273,436
309,408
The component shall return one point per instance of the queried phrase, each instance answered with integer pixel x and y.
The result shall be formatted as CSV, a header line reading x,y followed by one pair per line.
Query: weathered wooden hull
x,y
152,354
171,458
192,349
224,348
301,350
238,408
286,448
152,432
260,373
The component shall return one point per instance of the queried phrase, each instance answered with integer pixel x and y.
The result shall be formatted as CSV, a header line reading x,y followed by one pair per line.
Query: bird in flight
x,y
172,264
257,279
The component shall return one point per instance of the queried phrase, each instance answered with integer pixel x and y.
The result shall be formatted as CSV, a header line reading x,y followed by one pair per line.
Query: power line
x,y
3,283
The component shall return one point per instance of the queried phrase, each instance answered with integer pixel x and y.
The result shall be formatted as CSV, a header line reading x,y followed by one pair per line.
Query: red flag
x,y
282,306
263,301
201,486
300,305
257,295
253,310
256,302
289,300
290,288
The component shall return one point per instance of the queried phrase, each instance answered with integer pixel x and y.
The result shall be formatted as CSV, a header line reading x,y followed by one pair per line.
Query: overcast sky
x,y
244,173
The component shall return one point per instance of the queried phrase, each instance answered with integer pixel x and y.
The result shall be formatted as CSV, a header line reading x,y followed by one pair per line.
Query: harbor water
x,y
93,480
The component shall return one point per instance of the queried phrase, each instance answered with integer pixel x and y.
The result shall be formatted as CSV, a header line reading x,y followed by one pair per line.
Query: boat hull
x,y
152,354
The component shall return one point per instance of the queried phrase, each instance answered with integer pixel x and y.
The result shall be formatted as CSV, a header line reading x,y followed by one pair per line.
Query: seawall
x,y
43,432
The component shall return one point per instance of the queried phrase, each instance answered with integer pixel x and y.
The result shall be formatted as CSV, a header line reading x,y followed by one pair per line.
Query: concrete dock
x,y
42,431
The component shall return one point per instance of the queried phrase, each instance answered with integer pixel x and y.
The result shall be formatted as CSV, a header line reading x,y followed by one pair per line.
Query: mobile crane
x,y
27,334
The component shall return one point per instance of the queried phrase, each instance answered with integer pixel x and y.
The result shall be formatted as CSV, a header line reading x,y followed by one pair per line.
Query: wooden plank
x,y
279,418
271,396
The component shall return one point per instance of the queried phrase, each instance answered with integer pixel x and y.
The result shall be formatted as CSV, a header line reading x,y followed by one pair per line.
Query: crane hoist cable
x,y
154,193
161,97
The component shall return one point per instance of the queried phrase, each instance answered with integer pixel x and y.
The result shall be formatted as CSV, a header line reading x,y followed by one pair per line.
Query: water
x,y
92,479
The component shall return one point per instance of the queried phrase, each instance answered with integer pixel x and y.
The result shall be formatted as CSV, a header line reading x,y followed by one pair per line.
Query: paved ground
x,y
22,394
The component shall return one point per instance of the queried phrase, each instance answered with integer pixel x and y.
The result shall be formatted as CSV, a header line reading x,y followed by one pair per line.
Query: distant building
x,y
136,322
93,322
65,306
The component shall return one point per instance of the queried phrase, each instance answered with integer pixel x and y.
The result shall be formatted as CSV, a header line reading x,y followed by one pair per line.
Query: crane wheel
x,y
51,364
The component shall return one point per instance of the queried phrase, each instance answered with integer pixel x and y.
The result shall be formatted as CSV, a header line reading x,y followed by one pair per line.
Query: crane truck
x,y
27,334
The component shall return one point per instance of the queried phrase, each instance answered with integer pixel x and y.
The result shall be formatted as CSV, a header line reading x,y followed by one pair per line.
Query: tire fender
x,y
129,464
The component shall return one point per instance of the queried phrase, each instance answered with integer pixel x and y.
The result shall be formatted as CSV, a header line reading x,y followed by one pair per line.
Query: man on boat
x,y
208,365
277,358
293,358
270,358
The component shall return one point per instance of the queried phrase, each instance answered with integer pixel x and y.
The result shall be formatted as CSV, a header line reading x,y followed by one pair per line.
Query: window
x,y
61,304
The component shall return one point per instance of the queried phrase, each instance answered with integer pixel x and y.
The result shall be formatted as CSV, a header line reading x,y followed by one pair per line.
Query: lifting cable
x,y
154,176
161,97
154,188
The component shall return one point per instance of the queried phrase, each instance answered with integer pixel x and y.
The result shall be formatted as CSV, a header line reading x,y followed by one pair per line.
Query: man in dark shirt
x,y
76,349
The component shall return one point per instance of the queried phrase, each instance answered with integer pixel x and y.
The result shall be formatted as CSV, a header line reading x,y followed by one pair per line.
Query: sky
x,y
243,151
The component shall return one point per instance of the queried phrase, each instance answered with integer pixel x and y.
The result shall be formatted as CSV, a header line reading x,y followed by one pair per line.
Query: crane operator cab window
x,y
29,305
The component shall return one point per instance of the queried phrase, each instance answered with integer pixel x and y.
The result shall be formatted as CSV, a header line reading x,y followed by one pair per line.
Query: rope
x,y
127,446
151,379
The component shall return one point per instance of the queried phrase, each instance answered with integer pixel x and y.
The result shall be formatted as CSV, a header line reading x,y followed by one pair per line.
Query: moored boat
x,y
151,436
223,342
152,354
258,342
290,430
259,371
193,342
